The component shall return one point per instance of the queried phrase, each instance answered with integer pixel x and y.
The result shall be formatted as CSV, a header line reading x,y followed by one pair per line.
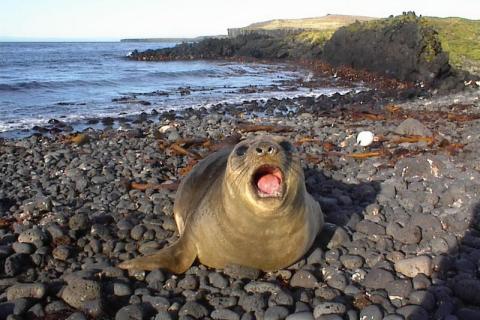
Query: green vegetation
x,y
328,22
314,37
383,23
461,39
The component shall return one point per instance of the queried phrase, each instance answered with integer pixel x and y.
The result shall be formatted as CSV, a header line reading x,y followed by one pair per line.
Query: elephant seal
x,y
244,205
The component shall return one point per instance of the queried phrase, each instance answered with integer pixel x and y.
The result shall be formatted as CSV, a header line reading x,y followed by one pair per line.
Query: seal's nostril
x,y
259,150
271,150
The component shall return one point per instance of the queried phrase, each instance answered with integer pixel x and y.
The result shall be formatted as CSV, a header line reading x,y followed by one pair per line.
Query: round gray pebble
x,y
22,305
276,313
163,315
304,279
131,312
224,314
79,221
190,282
372,312
329,308
217,280
137,232
21,247
26,290
34,235
121,289
351,262
157,302
305,315
77,316
329,317
193,309
393,317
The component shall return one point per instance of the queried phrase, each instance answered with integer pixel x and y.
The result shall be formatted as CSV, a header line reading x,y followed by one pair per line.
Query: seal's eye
x,y
287,146
241,150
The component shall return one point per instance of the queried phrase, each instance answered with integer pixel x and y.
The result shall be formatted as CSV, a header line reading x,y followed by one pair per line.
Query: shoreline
x,y
318,83
73,206
394,166
324,76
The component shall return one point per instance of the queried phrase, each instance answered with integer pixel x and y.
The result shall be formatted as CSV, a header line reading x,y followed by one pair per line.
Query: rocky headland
x,y
406,48
402,239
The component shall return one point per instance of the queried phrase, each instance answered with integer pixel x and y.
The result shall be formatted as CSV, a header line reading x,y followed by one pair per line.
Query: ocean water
x,y
73,82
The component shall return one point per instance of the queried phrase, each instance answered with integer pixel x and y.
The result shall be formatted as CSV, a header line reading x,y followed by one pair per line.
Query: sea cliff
x,y
406,48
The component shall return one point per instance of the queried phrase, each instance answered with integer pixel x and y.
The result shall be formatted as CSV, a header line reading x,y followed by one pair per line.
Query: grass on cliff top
x,y
383,22
460,38
328,22
315,37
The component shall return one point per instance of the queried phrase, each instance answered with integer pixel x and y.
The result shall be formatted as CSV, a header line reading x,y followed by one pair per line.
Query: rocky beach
x,y
401,242
402,238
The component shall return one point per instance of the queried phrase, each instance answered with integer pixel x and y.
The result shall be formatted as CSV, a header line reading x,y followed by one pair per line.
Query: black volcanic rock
x,y
253,45
403,47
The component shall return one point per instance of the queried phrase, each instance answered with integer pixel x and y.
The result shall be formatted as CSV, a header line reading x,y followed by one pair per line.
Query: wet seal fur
x,y
244,205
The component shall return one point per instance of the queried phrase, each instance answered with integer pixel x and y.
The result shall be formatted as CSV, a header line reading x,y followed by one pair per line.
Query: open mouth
x,y
268,181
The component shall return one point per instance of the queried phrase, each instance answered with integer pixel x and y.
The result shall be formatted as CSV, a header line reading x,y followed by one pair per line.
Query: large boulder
x,y
403,47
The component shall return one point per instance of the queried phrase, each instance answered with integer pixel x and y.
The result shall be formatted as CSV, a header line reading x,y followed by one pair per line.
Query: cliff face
x,y
286,27
403,47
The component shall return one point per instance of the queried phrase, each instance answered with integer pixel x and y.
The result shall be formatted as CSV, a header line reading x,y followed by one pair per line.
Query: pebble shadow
x,y
342,204
455,281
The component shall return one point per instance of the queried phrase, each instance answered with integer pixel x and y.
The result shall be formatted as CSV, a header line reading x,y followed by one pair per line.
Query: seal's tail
x,y
176,258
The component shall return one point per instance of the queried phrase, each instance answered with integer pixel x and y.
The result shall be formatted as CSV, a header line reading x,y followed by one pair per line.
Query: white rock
x,y
413,266
165,128
365,138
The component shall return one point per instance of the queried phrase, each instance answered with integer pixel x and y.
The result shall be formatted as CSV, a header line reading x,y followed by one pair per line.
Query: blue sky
x,y
115,19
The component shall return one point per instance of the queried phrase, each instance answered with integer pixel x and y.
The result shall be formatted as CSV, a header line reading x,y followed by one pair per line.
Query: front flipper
x,y
176,258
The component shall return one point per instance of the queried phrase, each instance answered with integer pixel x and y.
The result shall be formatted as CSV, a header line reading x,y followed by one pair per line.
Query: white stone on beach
x,y
365,138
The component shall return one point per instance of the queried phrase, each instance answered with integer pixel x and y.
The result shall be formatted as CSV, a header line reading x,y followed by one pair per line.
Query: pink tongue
x,y
269,184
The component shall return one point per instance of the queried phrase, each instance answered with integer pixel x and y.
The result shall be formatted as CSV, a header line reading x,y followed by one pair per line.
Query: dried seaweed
x,y
226,142
358,116
414,139
154,186
264,127
179,150
451,148
76,139
5,223
366,155
185,170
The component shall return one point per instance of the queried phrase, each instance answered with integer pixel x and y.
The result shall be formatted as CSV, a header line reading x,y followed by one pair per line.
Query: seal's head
x,y
265,171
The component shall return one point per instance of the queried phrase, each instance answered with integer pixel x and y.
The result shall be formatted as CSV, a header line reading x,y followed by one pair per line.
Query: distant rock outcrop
x,y
252,45
285,27
403,47
236,32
